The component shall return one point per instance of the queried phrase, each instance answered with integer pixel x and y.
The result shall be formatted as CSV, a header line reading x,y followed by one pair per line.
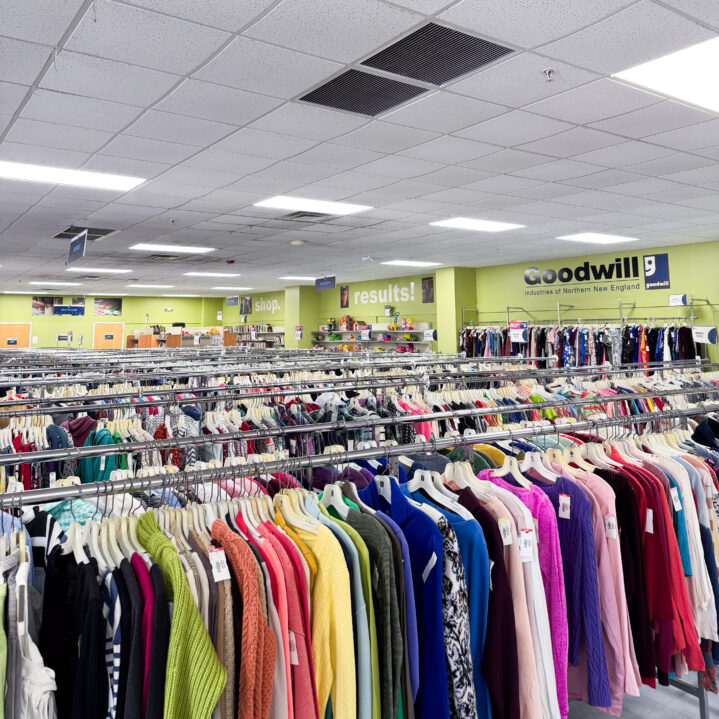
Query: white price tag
x,y
649,528
564,504
428,568
102,463
526,545
610,526
52,478
384,488
675,499
505,529
294,657
218,561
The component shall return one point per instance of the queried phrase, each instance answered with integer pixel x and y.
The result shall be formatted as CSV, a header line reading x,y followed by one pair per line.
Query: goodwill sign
x,y
393,293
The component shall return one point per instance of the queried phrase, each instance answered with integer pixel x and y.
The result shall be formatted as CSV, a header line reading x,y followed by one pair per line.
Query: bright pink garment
x,y
423,428
550,563
148,597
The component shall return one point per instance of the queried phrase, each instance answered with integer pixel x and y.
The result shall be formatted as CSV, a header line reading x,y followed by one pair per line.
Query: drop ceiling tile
x,y
705,11
428,7
457,196
303,25
626,153
520,80
455,176
711,152
638,34
604,178
694,137
139,37
646,186
450,149
43,21
699,176
265,185
706,202
295,171
218,103
529,23
500,202
514,128
384,137
146,197
240,165
572,142
313,123
266,69
502,183
588,198
507,161
663,116
11,95
47,134
169,127
678,162
558,170
79,111
443,112
231,15
337,156
142,148
34,154
546,191
21,61
264,144
125,166
79,74
400,167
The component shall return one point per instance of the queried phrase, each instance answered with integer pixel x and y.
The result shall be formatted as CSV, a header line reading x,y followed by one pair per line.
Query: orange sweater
x,y
257,660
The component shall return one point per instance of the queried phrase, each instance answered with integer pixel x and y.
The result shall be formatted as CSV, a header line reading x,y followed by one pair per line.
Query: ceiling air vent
x,y
162,258
436,54
361,92
93,233
307,216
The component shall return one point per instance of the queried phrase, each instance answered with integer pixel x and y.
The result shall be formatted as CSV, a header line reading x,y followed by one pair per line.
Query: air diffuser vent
x,y
93,233
162,258
361,92
307,216
436,54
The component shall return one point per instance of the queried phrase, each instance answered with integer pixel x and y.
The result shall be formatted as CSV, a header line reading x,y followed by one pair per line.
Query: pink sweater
x,y
550,562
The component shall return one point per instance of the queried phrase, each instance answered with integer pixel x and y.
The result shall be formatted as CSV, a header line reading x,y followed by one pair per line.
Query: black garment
x,y
45,534
630,543
158,650
59,634
706,433
500,665
91,682
125,641
136,668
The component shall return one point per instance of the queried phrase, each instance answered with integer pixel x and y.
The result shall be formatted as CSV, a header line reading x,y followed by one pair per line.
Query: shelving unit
x,y
243,336
376,330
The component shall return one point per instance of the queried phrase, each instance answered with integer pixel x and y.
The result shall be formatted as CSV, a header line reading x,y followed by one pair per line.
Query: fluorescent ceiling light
x,y
149,247
302,204
154,287
212,274
469,223
50,283
180,295
61,176
99,270
411,263
597,239
299,278
231,288
688,75
18,292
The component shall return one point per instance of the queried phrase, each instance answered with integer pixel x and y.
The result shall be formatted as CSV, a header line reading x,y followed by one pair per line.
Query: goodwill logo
x,y
267,305
621,275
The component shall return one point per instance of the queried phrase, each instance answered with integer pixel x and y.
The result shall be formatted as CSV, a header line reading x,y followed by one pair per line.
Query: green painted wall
x,y
692,270
266,307
303,310
456,288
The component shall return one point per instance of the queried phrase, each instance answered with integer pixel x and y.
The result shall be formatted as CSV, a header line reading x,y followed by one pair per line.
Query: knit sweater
x,y
194,678
258,652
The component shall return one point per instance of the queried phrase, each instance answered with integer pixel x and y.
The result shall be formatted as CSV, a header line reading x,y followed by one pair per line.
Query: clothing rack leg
x,y
696,691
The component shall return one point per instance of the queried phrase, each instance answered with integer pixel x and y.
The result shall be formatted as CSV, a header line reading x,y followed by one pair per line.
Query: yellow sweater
x,y
332,638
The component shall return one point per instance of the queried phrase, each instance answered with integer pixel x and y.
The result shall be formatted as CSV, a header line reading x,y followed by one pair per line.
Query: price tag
x,y
610,526
649,528
293,446
384,488
52,478
564,504
675,499
505,529
366,335
526,545
102,463
294,656
218,561
430,335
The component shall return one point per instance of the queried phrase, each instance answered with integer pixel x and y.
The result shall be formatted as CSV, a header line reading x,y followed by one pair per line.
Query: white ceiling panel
x,y
450,149
557,170
384,137
520,80
337,156
502,183
125,166
218,103
167,126
64,137
256,66
706,11
142,148
693,137
39,155
41,21
663,116
106,79
678,162
443,112
624,153
603,178
11,95
264,144
594,101
455,176
303,25
528,23
294,171
508,161
400,167
20,62
314,123
638,34
228,162
514,128
572,142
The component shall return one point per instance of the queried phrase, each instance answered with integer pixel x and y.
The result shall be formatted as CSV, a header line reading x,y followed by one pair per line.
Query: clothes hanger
x,y
332,497
533,460
510,467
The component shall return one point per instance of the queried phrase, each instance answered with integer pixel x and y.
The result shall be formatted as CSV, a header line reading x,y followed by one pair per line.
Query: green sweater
x,y
194,678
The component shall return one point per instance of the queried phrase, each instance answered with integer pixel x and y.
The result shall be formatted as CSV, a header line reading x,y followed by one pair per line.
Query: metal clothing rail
x,y
48,455
292,464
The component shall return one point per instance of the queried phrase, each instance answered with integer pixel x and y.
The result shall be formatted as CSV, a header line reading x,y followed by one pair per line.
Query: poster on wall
x,y
246,305
427,290
45,305
108,306
344,297
78,301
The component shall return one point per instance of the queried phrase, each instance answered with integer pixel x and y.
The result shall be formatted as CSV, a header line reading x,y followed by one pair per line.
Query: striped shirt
x,y
112,611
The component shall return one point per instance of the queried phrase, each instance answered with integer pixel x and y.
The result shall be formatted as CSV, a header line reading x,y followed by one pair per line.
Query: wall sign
x,y
77,247
677,300
393,293
298,332
75,310
325,283
11,341
705,335
232,301
109,337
